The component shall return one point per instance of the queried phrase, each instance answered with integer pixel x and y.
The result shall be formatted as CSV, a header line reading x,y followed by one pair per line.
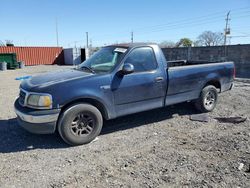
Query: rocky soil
x,y
158,148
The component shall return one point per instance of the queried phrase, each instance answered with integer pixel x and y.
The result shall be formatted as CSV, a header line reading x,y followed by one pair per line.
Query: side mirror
x,y
127,69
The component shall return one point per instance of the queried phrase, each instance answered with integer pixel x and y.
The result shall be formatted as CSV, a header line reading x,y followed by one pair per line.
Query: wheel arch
x,y
214,82
96,103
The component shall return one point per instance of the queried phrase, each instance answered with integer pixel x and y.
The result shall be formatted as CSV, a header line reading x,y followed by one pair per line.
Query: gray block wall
x,y
240,54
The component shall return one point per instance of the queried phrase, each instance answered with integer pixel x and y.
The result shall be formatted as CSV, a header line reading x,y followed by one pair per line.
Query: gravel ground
x,y
158,148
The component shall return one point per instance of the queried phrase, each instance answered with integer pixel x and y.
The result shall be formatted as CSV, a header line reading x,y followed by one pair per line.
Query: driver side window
x,y
143,59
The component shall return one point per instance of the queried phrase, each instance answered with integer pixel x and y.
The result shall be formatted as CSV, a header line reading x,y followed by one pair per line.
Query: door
x,y
144,88
68,56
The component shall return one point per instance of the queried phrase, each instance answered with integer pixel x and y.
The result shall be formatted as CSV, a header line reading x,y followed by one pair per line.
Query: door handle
x,y
159,79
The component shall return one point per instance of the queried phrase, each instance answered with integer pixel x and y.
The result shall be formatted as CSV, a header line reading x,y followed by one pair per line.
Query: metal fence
x,y
36,55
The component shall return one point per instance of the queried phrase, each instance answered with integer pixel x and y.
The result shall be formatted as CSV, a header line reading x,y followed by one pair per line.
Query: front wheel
x,y
80,124
207,100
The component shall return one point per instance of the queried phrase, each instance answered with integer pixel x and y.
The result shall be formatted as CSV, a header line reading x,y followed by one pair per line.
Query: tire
x,y
207,100
80,124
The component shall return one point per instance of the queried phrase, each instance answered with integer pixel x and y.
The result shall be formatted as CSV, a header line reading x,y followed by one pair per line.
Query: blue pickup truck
x,y
117,80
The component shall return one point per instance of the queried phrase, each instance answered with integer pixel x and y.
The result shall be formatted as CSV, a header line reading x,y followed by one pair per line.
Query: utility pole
x,y
132,37
87,46
75,54
90,43
57,43
87,39
226,32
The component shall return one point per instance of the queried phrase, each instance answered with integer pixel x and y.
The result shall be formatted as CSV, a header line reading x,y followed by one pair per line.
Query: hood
x,y
53,78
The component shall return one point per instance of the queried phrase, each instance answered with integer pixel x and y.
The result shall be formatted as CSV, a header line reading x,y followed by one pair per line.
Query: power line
x,y
195,21
185,21
187,25
239,36
191,23
221,13
190,20
170,24
181,27
243,16
239,31
176,25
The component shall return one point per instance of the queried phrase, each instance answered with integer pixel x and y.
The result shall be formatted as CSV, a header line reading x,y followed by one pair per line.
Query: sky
x,y
33,22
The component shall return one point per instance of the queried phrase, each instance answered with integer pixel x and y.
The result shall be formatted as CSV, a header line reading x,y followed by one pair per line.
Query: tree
x,y
1,43
92,50
167,44
184,42
9,43
209,38
197,43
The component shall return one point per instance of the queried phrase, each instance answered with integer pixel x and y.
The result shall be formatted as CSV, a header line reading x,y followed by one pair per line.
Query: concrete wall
x,y
240,54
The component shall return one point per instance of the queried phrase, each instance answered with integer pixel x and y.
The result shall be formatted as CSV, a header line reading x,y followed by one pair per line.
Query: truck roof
x,y
130,45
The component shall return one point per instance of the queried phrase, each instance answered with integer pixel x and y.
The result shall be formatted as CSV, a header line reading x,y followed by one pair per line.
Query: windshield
x,y
103,60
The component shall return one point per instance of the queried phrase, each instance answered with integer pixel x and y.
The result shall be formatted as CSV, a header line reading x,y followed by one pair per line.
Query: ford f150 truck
x,y
117,80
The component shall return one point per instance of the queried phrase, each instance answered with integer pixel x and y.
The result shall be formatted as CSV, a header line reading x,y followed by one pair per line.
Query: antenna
x,y
132,37
57,43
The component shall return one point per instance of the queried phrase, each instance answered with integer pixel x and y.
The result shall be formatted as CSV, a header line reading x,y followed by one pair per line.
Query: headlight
x,y
40,101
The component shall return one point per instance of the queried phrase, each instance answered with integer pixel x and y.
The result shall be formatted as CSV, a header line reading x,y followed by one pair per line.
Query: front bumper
x,y
37,121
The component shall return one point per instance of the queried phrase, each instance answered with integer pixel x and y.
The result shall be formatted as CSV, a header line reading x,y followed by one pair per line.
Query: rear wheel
x,y
207,100
80,124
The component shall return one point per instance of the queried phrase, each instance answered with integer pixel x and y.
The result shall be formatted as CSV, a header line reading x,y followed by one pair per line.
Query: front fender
x,y
109,114
82,90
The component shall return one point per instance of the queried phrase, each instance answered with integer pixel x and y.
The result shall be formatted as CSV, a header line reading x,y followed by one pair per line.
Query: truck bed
x,y
187,78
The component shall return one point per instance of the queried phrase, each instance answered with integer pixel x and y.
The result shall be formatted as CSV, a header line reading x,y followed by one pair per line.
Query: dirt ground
x,y
158,148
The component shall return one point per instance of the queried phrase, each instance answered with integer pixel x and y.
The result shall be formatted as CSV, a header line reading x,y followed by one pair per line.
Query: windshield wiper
x,y
88,68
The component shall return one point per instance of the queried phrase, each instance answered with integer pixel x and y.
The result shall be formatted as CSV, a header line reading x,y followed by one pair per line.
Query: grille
x,y
22,96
